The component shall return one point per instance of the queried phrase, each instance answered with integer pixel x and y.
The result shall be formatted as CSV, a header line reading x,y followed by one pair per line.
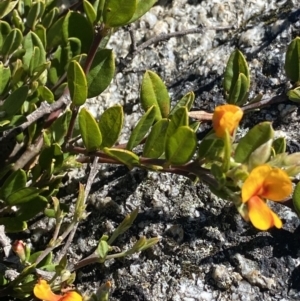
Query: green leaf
x,y
239,93
279,145
141,8
50,17
141,128
294,95
296,199
210,149
110,124
292,60
156,140
40,31
102,249
12,42
4,77
36,11
89,130
179,118
30,209
75,25
60,127
101,72
5,29
17,20
46,94
51,158
235,65
77,83
13,183
124,156
46,261
23,195
35,60
195,125
15,100
181,146
155,93
29,42
89,11
257,136
75,47
186,101
6,6
54,35
118,12
59,61
260,155
4,170
218,173
13,225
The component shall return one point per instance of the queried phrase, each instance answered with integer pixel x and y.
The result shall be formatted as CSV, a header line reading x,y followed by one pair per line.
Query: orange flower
x,y
226,117
42,290
265,182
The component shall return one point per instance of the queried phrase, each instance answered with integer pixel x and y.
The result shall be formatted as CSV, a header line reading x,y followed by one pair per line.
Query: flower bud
x,y
19,248
226,118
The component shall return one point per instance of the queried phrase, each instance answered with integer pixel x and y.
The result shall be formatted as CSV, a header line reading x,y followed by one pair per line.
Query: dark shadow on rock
x,y
130,293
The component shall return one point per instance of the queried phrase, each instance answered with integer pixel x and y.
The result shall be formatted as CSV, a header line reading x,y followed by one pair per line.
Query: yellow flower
x,y
226,117
265,182
42,290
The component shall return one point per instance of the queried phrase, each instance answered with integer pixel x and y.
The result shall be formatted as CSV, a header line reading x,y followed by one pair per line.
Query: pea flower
x,y
265,182
42,290
226,117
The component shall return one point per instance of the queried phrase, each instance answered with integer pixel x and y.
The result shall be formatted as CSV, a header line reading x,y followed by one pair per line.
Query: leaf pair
x,y
27,200
83,86
122,12
236,79
103,134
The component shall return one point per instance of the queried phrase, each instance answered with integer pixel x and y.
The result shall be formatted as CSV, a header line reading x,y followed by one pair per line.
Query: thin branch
x,y
30,153
41,111
92,175
265,102
164,37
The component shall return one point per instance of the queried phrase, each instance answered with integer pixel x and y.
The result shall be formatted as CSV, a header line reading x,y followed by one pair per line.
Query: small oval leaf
x,y
13,183
12,42
155,143
89,11
22,195
118,12
257,136
179,118
14,101
123,156
141,8
89,130
141,128
110,124
181,146
155,93
101,72
296,199
77,83
186,101
292,60
235,65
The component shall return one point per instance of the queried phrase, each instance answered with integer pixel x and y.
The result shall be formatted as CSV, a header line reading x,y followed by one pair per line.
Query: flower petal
x,y
261,216
277,185
226,117
71,296
42,290
253,185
